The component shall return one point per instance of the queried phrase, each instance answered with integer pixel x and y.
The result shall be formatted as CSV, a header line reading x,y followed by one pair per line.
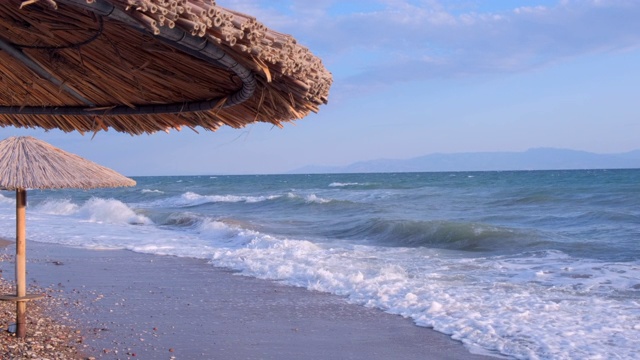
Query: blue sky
x,y
415,77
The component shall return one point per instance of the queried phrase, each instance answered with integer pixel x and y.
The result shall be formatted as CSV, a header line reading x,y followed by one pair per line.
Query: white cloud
x,y
529,9
396,36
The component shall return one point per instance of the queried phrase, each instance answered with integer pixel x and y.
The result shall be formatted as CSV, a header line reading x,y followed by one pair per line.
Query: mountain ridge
x,y
531,159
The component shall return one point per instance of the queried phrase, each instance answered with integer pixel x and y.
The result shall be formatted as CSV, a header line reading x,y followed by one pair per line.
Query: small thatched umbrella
x,y
29,163
140,66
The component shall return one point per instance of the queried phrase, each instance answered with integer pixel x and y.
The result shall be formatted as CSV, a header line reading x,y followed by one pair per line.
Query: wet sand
x,y
131,305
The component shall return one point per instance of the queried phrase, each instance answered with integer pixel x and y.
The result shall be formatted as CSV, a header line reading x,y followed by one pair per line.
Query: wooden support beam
x,y
21,262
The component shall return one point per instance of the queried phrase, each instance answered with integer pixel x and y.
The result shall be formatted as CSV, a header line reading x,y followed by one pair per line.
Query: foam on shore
x,y
162,306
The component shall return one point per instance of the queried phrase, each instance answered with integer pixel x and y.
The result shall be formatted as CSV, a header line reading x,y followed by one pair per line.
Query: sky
x,y
416,77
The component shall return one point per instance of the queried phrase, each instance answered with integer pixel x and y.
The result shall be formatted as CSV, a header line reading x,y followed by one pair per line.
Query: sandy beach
x,y
134,306
49,336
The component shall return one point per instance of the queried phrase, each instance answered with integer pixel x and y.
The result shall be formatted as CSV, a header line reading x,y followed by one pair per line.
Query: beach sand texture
x,y
48,337
131,305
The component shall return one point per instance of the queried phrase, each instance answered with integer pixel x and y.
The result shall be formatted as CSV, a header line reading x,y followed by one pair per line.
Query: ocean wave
x,y
228,233
466,236
193,199
341,184
190,199
309,198
111,211
519,266
147,191
57,207
217,229
94,210
7,200
182,219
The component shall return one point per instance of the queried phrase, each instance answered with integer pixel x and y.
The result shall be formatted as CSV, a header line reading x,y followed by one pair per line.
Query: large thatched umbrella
x,y
139,66
29,163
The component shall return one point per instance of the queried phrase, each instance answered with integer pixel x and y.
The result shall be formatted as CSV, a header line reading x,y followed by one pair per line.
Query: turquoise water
x,y
535,265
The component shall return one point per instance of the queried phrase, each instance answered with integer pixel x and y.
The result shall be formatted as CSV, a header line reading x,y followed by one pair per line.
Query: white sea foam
x,y
111,211
224,234
339,184
147,191
193,199
57,207
99,210
475,300
7,200
309,198
312,198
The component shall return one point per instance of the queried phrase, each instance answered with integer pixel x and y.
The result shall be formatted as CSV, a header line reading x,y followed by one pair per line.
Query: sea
x,y
522,264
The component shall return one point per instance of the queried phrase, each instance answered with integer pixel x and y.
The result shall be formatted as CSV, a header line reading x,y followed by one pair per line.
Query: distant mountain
x,y
532,159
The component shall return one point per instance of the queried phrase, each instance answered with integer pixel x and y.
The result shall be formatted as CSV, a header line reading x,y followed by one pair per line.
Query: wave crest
x,y
191,199
57,207
111,211
340,184
148,191
309,199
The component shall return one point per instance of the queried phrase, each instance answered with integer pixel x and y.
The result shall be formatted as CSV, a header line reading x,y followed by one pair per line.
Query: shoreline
x,y
131,305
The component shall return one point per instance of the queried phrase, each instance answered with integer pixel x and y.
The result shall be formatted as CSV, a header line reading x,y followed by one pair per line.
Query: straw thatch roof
x,y
139,66
29,163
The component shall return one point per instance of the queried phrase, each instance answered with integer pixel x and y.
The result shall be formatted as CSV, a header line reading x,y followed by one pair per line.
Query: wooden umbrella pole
x,y
21,262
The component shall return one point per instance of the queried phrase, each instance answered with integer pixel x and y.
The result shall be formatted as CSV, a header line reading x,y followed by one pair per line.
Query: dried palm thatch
x,y
140,66
29,163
